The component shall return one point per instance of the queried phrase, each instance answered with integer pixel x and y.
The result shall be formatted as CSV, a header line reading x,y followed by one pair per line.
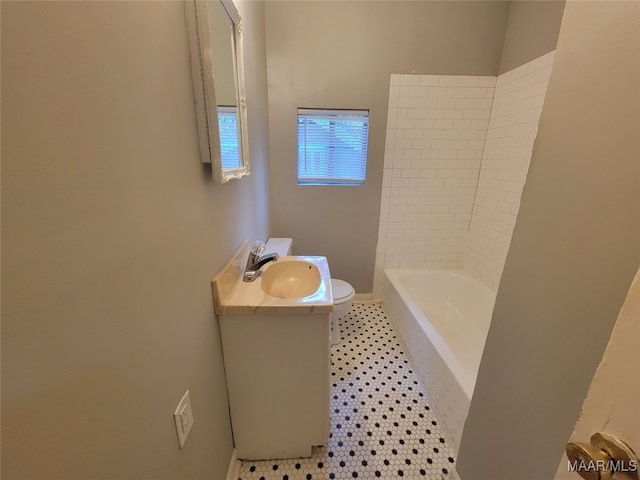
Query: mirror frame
x,y
197,14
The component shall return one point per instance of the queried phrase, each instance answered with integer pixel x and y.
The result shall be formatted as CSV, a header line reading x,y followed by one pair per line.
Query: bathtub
x,y
442,318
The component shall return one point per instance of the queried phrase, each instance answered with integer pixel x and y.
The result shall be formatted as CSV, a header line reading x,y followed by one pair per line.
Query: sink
x,y
293,285
291,279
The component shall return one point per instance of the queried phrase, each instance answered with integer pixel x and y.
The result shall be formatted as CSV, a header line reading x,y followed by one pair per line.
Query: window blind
x,y
229,141
332,146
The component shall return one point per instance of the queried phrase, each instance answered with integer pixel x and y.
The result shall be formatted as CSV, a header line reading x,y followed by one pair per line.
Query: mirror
x,y
215,41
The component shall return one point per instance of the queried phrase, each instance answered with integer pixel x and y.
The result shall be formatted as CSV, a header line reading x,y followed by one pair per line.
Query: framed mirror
x,y
217,67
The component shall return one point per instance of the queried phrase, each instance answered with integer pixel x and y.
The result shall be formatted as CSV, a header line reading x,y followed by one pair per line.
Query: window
x,y
332,146
228,126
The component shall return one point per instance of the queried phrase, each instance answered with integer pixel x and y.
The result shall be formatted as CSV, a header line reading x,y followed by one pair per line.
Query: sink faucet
x,y
256,261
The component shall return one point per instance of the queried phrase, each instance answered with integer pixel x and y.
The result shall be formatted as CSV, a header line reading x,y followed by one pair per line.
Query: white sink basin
x,y
291,279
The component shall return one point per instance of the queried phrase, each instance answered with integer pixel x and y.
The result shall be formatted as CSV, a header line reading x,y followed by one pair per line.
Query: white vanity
x,y
276,354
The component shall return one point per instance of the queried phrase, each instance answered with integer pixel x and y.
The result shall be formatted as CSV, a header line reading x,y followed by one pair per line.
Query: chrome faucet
x,y
256,261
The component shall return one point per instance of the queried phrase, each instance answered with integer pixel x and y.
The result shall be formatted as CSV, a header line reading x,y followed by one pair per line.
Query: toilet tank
x,y
281,246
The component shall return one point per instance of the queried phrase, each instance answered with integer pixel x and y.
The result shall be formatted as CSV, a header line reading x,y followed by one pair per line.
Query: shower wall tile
x,y
513,126
436,131
456,158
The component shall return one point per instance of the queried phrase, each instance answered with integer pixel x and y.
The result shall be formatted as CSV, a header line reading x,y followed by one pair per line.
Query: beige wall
x,y
531,32
573,254
112,230
341,55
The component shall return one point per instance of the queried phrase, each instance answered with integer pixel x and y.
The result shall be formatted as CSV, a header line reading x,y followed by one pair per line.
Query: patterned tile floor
x,y
381,423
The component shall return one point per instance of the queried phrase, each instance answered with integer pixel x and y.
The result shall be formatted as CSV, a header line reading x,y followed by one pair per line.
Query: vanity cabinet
x,y
275,343
278,373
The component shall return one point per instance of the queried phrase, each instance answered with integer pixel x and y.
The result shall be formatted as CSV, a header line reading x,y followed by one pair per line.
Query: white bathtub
x,y
442,317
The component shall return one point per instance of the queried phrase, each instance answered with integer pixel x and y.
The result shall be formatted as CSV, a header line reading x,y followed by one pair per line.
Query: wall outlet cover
x,y
183,417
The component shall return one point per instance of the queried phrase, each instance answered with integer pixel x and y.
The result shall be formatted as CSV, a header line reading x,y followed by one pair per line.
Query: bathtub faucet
x,y
256,261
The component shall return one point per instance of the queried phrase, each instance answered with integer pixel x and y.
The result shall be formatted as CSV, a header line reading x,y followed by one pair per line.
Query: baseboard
x,y
234,466
454,474
363,298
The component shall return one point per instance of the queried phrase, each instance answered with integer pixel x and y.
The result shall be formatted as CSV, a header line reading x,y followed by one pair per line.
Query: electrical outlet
x,y
183,417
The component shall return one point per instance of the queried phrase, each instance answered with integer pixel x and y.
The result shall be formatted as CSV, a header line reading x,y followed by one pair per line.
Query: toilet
x,y
343,292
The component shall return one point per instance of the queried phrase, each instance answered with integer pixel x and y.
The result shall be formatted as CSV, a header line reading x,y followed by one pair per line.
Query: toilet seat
x,y
342,291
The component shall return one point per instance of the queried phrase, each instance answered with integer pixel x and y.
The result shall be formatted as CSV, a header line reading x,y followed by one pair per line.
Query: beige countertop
x,y
233,296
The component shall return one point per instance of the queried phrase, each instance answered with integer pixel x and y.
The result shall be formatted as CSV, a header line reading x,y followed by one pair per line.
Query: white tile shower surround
x,y
381,422
435,137
513,126
456,156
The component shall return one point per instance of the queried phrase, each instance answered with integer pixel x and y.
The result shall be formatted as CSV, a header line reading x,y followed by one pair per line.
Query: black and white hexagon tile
x,y
381,422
